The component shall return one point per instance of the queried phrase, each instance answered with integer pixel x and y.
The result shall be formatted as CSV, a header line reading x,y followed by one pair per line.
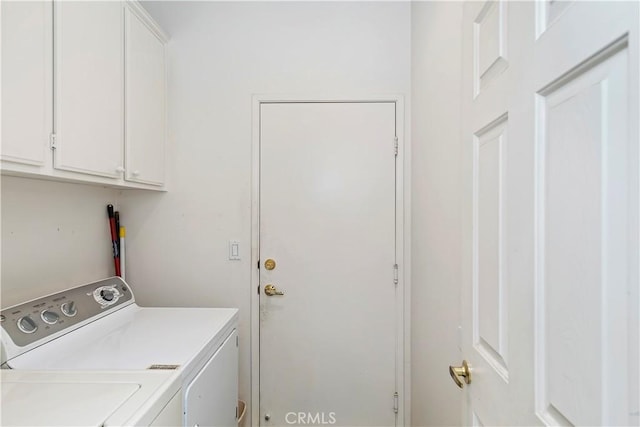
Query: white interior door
x,y
550,291
327,219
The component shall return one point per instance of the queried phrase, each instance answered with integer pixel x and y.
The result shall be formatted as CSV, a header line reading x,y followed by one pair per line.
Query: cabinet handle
x,y
135,173
120,169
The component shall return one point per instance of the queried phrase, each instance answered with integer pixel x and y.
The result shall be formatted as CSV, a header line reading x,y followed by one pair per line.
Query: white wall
x,y
219,55
436,240
54,235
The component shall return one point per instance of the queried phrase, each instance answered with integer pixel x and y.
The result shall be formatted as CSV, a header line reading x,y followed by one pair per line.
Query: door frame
x,y
403,244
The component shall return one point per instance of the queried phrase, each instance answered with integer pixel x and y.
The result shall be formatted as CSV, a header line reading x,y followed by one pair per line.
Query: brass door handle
x,y
463,371
271,290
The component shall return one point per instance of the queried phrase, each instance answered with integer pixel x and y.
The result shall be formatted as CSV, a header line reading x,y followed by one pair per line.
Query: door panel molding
x,y
490,299
596,96
402,240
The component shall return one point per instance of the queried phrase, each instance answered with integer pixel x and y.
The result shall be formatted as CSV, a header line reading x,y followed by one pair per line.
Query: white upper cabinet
x,y
89,87
27,73
145,98
64,69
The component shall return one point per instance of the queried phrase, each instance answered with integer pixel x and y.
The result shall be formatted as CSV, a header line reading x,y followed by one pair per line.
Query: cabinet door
x,y
89,87
145,101
211,399
27,71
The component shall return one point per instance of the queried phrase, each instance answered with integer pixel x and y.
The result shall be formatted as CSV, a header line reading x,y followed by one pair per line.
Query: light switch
x,y
234,250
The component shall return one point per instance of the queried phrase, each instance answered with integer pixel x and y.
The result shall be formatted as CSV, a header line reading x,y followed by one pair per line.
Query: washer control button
x,y
27,325
69,309
50,317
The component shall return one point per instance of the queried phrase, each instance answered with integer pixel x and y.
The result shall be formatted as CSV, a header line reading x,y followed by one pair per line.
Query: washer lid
x,y
135,338
62,404
70,398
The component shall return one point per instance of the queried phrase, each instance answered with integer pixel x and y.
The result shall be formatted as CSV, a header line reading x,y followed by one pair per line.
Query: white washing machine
x,y
99,327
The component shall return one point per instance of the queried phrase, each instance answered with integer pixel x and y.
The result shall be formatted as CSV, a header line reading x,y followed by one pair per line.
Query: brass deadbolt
x,y
269,264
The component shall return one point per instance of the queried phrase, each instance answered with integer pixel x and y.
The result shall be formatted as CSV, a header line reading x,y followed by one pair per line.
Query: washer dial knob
x,y
49,317
27,325
69,309
107,294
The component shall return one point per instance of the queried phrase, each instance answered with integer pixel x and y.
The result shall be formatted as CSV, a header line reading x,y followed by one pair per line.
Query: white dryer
x,y
98,326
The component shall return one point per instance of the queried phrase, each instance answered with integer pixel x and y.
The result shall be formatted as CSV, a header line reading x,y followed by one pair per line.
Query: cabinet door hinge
x,y
395,274
395,402
395,145
52,141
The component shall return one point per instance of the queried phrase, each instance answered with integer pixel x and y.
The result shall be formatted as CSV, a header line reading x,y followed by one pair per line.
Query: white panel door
x,y
551,184
89,87
211,399
27,74
145,102
327,219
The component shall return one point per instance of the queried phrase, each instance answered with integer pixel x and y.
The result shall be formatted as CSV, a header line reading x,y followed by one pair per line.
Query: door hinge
x,y
395,402
237,341
395,145
395,274
52,141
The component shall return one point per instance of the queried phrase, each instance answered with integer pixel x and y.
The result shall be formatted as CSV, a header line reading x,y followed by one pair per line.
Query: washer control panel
x,y
40,318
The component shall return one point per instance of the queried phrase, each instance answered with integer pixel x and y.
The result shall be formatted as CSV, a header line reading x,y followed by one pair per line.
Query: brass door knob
x,y
463,371
271,290
269,264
